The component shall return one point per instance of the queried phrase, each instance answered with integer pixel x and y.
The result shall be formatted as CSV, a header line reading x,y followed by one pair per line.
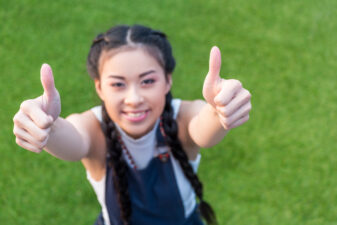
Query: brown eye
x,y
117,84
148,81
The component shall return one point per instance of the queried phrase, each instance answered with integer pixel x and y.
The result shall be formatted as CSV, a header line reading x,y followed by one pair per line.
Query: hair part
x,y
122,38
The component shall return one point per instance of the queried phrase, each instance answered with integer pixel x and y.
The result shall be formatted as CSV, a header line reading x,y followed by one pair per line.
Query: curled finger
x,y
242,98
229,88
239,122
24,135
26,145
24,122
239,113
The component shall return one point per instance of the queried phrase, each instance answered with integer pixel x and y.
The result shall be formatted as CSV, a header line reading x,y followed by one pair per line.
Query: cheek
x,y
112,104
113,113
160,103
161,95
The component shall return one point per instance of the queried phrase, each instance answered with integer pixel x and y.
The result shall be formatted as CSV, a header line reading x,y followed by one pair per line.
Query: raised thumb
x,y
214,63
47,81
212,81
51,103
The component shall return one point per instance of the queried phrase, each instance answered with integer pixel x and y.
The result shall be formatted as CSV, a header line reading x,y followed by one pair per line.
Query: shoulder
x,y
88,125
85,122
187,111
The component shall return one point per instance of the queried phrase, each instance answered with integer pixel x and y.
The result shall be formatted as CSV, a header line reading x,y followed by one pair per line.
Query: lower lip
x,y
136,119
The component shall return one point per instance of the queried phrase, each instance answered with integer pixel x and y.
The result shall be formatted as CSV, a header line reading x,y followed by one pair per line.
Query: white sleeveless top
x,y
142,151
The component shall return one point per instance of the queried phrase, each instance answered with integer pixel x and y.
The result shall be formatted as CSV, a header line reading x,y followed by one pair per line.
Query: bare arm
x,y
69,139
205,128
37,124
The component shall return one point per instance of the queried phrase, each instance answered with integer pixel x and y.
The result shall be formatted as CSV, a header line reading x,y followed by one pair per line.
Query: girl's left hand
x,y
229,99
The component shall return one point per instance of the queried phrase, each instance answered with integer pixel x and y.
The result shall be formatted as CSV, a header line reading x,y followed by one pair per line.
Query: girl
x,y
140,148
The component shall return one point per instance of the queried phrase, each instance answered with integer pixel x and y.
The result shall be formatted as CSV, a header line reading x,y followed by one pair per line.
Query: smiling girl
x,y
140,148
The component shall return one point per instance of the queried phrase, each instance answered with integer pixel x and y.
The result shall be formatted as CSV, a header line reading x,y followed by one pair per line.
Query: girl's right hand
x,y
33,121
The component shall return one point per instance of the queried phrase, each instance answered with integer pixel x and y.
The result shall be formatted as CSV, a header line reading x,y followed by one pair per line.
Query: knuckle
x,y
42,137
18,141
248,94
16,118
247,107
45,124
41,120
15,131
25,105
237,83
40,145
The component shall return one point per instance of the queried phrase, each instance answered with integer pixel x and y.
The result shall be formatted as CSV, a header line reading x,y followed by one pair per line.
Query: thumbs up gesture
x,y
229,99
33,121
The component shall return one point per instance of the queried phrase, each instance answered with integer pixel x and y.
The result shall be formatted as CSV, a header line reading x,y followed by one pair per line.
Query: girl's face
x,y
133,86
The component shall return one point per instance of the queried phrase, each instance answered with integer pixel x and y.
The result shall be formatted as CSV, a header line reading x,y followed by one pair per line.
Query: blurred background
x,y
279,168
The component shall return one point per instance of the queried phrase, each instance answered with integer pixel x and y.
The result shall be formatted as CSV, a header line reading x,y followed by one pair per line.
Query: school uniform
x,y
159,191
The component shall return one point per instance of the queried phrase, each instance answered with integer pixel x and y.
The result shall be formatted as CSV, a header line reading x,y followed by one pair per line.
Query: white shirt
x,y
142,151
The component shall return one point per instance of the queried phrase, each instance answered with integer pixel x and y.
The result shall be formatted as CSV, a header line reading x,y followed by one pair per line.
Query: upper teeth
x,y
135,114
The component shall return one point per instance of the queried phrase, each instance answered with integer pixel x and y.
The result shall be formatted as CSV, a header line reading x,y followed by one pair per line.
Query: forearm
x,y
205,127
65,142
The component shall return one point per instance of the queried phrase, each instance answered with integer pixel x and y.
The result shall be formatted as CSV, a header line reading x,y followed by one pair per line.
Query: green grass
x,y
279,168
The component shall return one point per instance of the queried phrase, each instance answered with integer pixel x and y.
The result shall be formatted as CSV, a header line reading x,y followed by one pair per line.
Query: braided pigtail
x,y
117,162
171,130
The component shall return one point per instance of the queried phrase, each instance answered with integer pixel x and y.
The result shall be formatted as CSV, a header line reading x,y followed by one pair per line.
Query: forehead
x,y
131,61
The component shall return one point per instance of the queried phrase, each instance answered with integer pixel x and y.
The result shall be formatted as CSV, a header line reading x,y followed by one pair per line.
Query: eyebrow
x,y
140,75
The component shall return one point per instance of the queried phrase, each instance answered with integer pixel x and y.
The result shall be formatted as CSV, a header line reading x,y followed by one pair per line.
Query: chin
x,y
136,134
137,131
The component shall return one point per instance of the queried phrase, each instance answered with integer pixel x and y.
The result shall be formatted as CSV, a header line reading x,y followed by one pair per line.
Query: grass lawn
x,y
276,169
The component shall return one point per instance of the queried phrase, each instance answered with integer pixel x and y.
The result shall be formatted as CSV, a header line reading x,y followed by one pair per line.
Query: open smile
x,y
135,116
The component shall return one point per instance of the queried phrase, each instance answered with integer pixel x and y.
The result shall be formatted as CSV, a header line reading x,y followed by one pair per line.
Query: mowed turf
x,y
279,168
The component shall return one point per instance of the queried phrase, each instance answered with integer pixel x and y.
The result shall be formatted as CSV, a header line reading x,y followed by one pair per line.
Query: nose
x,y
133,97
